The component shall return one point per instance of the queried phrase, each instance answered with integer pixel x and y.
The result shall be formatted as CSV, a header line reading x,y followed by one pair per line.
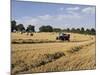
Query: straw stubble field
x,y
43,53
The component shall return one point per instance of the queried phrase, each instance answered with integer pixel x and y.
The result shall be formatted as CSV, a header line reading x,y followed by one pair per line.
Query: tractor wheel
x,y
57,38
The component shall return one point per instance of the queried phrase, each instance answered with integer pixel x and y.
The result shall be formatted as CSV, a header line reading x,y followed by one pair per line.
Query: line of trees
x,y
48,28
21,28
91,31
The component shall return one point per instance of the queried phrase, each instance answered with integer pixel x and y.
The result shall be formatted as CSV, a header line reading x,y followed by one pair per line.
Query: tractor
x,y
63,37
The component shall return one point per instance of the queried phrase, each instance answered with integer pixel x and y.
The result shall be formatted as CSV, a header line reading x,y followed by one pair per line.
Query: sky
x,y
57,15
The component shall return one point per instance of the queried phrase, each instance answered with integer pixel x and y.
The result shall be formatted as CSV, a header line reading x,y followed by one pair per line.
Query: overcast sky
x,y
56,15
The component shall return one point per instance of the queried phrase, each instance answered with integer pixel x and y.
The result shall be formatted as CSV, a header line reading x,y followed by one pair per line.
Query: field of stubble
x,y
43,53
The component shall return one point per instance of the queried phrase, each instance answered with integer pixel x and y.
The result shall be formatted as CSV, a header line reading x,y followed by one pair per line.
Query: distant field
x,y
46,38
43,53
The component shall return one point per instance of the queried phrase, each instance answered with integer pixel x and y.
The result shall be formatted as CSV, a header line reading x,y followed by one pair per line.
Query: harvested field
x,y
43,53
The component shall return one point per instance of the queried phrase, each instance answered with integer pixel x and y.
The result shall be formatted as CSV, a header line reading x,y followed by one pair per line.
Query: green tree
x,y
82,30
20,27
93,31
88,31
46,29
68,30
30,28
73,30
56,29
13,25
78,30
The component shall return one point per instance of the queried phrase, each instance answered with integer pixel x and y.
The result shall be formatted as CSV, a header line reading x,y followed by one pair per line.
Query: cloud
x,y
49,19
68,17
59,20
28,20
69,9
89,10
71,12
61,9
73,9
45,17
59,17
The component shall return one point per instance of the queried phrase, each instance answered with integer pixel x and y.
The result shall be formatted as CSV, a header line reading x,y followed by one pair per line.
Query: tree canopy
x,y
20,27
46,29
13,25
30,28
